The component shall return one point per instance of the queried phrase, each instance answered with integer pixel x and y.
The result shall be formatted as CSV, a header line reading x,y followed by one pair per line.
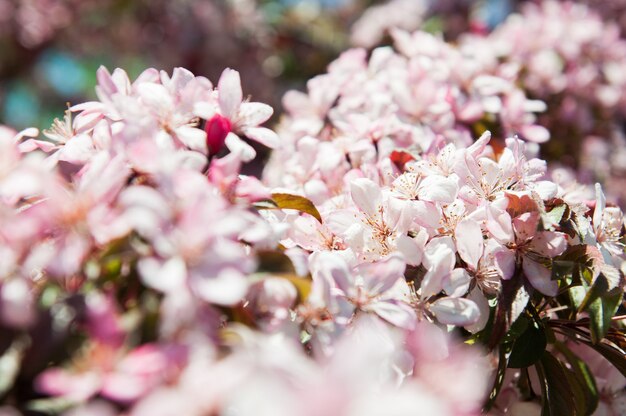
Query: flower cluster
x,y
575,63
417,222
141,273
131,241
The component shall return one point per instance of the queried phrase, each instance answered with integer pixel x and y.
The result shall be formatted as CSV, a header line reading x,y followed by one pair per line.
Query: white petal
x,y
438,189
253,114
366,196
239,147
155,95
469,242
410,249
456,284
398,314
193,138
483,306
164,276
262,135
540,277
455,311
600,205
230,94
227,288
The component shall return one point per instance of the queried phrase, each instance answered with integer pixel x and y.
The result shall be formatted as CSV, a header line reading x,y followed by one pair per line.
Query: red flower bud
x,y
217,128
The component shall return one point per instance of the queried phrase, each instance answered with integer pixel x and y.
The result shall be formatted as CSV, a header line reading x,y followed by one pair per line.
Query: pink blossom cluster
x,y
36,21
130,239
575,62
574,53
142,274
384,149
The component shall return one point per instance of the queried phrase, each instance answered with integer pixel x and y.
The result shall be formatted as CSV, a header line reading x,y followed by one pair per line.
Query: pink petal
x,y
125,388
164,276
525,225
32,144
540,277
469,242
499,225
77,150
383,275
455,311
193,138
85,121
396,313
410,249
105,82
599,209
253,114
535,133
227,288
483,307
332,268
262,135
230,94
156,96
549,243
58,382
437,188
456,284
366,196
504,262
237,146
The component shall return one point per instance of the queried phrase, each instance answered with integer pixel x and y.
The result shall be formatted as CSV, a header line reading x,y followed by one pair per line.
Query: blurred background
x,y
50,49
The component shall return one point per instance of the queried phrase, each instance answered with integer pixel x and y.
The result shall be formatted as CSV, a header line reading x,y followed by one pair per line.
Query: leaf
x,y
274,261
563,270
577,295
528,347
556,392
597,290
553,217
586,261
601,311
614,355
512,301
583,381
299,203
50,406
10,363
611,274
498,380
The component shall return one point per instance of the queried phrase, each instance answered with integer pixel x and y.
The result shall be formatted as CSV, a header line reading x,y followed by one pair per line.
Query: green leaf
x,y
289,201
611,274
556,392
553,217
598,289
498,380
601,311
529,347
50,406
274,261
582,381
577,295
614,355
10,363
586,261
512,301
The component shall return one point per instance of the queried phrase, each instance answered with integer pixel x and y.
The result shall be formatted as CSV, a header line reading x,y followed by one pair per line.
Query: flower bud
x,y
217,128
